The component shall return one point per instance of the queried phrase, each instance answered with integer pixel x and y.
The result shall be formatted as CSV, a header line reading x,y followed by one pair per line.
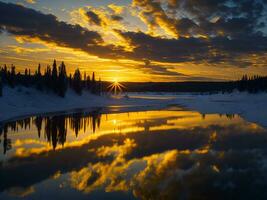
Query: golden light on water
x,y
120,151
124,123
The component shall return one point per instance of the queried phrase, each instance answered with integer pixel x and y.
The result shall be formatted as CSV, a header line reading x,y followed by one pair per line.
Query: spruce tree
x,y
38,78
3,73
70,81
99,87
47,77
62,80
25,83
54,77
88,83
39,70
84,80
93,84
77,84
1,86
12,76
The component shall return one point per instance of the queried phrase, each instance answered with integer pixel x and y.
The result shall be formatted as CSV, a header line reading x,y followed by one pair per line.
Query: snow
x,y
22,101
252,107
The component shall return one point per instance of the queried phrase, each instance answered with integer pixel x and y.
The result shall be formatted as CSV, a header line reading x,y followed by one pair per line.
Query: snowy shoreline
x,y
21,102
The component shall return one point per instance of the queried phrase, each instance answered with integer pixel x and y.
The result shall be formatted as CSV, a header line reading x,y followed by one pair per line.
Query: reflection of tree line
x,y
229,116
54,127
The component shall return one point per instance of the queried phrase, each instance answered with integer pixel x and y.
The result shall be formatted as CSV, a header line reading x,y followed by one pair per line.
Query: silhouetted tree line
x,y
53,128
1,87
53,79
251,84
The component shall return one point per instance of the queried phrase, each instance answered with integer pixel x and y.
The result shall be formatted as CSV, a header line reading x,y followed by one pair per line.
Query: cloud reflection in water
x,y
168,154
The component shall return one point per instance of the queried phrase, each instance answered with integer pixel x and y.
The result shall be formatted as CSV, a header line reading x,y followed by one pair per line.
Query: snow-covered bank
x,y
27,101
22,101
252,107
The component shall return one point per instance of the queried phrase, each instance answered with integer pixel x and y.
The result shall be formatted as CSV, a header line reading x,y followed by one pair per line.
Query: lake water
x,y
159,154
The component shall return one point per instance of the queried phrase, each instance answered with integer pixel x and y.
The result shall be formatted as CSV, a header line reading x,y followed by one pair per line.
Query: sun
x,y
116,87
115,80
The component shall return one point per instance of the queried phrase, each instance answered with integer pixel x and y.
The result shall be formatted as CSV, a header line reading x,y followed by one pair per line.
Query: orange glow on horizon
x,y
116,87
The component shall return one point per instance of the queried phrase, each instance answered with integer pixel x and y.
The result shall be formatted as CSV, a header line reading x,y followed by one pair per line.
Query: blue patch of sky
x,y
62,8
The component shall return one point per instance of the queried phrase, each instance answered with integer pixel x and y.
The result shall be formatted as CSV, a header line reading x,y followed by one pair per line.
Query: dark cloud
x,y
169,71
21,21
234,17
116,17
207,17
186,26
156,69
152,13
169,50
93,18
25,22
217,49
228,38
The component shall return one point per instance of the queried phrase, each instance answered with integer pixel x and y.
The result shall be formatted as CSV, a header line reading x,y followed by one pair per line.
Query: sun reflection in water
x,y
131,152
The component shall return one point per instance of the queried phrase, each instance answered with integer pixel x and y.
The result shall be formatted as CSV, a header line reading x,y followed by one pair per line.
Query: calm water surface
x,y
163,154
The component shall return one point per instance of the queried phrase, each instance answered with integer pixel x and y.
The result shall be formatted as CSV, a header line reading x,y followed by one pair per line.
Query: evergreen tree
x,y
12,76
88,83
70,81
39,70
4,74
62,80
54,76
1,85
38,78
54,79
77,85
24,78
84,80
47,78
93,84
99,87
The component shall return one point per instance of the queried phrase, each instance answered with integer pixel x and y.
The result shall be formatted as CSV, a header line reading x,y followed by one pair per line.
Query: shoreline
x,y
102,110
30,102
23,102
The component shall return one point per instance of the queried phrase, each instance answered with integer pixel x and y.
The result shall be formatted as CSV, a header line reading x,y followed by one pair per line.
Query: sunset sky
x,y
138,40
